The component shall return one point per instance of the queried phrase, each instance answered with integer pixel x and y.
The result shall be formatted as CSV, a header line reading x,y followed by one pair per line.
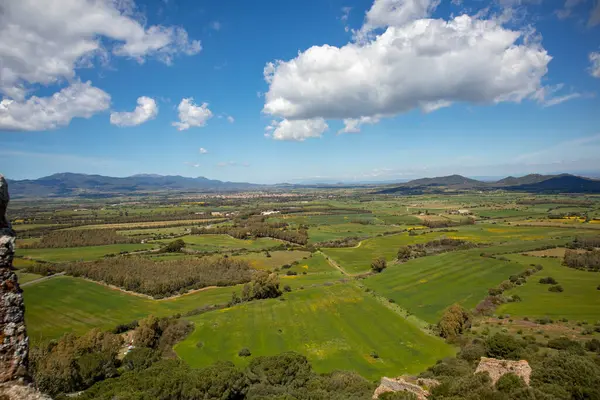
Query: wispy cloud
x,y
203,150
191,164
224,164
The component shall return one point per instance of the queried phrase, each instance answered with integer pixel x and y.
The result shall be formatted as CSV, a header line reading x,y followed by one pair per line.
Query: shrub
x,y
509,383
140,358
174,247
455,321
593,345
378,264
245,352
374,355
504,346
548,281
564,343
287,288
556,288
291,273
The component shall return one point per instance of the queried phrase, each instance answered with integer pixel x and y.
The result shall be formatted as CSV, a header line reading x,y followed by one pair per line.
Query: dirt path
x,y
44,278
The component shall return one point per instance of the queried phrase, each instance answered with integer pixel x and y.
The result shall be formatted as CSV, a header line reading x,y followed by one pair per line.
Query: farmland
x,y
331,326
330,305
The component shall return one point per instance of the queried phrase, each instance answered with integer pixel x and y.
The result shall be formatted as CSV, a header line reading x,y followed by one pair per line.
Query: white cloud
x,y
216,25
224,164
344,17
296,130
191,164
203,150
595,64
560,99
352,125
79,100
416,62
230,119
145,111
191,115
567,10
45,44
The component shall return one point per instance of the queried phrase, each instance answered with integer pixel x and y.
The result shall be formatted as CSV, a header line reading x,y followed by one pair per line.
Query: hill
x,y
450,180
83,185
561,184
523,180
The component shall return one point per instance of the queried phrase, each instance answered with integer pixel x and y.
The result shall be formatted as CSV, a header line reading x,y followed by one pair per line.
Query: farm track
x,y
44,278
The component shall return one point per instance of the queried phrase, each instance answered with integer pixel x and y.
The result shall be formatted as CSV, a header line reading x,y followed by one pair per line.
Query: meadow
x,y
211,243
275,260
88,253
426,286
332,326
580,300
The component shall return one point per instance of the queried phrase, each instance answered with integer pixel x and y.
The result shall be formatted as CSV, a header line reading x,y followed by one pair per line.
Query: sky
x,y
299,90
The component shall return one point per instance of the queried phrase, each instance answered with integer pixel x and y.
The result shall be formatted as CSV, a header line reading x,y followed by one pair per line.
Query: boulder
x,y
496,368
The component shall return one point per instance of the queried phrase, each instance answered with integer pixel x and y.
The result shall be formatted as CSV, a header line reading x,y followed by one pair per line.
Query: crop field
x,y
225,242
332,326
426,286
324,233
322,219
153,224
276,259
87,253
25,277
66,304
580,300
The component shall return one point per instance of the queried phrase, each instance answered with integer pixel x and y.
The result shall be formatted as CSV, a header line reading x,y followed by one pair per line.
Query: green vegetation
x,y
214,243
579,301
426,286
163,278
81,253
331,325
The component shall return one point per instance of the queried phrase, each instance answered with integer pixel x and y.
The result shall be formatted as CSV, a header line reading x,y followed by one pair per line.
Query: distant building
x,y
269,212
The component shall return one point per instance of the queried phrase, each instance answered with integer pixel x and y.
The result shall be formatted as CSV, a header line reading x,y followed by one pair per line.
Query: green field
x,y
65,304
225,243
358,259
336,327
25,277
276,259
324,233
80,253
580,300
426,286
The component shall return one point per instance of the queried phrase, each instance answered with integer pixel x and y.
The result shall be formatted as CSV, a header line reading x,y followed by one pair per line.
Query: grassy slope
x,y
580,300
25,277
225,242
65,304
323,233
358,259
336,327
80,253
426,286
277,259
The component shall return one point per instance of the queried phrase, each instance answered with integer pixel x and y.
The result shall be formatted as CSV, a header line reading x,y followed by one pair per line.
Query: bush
x,y
378,264
504,346
509,383
564,343
403,395
291,273
548,281
245,352
174,247
556,288
374,355
140,358
593,345
455,321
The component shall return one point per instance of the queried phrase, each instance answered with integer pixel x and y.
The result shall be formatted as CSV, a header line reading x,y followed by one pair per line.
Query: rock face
x,y
405,384
496,368
14,343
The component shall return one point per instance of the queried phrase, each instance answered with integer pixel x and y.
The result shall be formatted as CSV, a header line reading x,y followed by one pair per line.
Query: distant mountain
x,y
523,180
535,183
450,180
564,183
82,185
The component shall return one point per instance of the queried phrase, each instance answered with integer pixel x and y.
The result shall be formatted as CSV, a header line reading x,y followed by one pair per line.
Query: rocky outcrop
x,y
14,343
405,384
496,368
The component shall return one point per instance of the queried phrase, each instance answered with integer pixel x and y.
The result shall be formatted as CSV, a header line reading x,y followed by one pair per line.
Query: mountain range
x,y
82,185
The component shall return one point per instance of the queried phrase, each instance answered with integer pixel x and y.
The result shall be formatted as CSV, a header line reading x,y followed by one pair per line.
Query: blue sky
x,y
363,90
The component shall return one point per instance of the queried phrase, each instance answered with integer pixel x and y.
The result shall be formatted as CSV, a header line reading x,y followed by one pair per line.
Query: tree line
x,y
163,278
436,246
78,238
588,261
256,230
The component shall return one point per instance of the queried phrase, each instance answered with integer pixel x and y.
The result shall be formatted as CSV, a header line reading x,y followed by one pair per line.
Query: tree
x,y
174,246
454,322
378,264
147,333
